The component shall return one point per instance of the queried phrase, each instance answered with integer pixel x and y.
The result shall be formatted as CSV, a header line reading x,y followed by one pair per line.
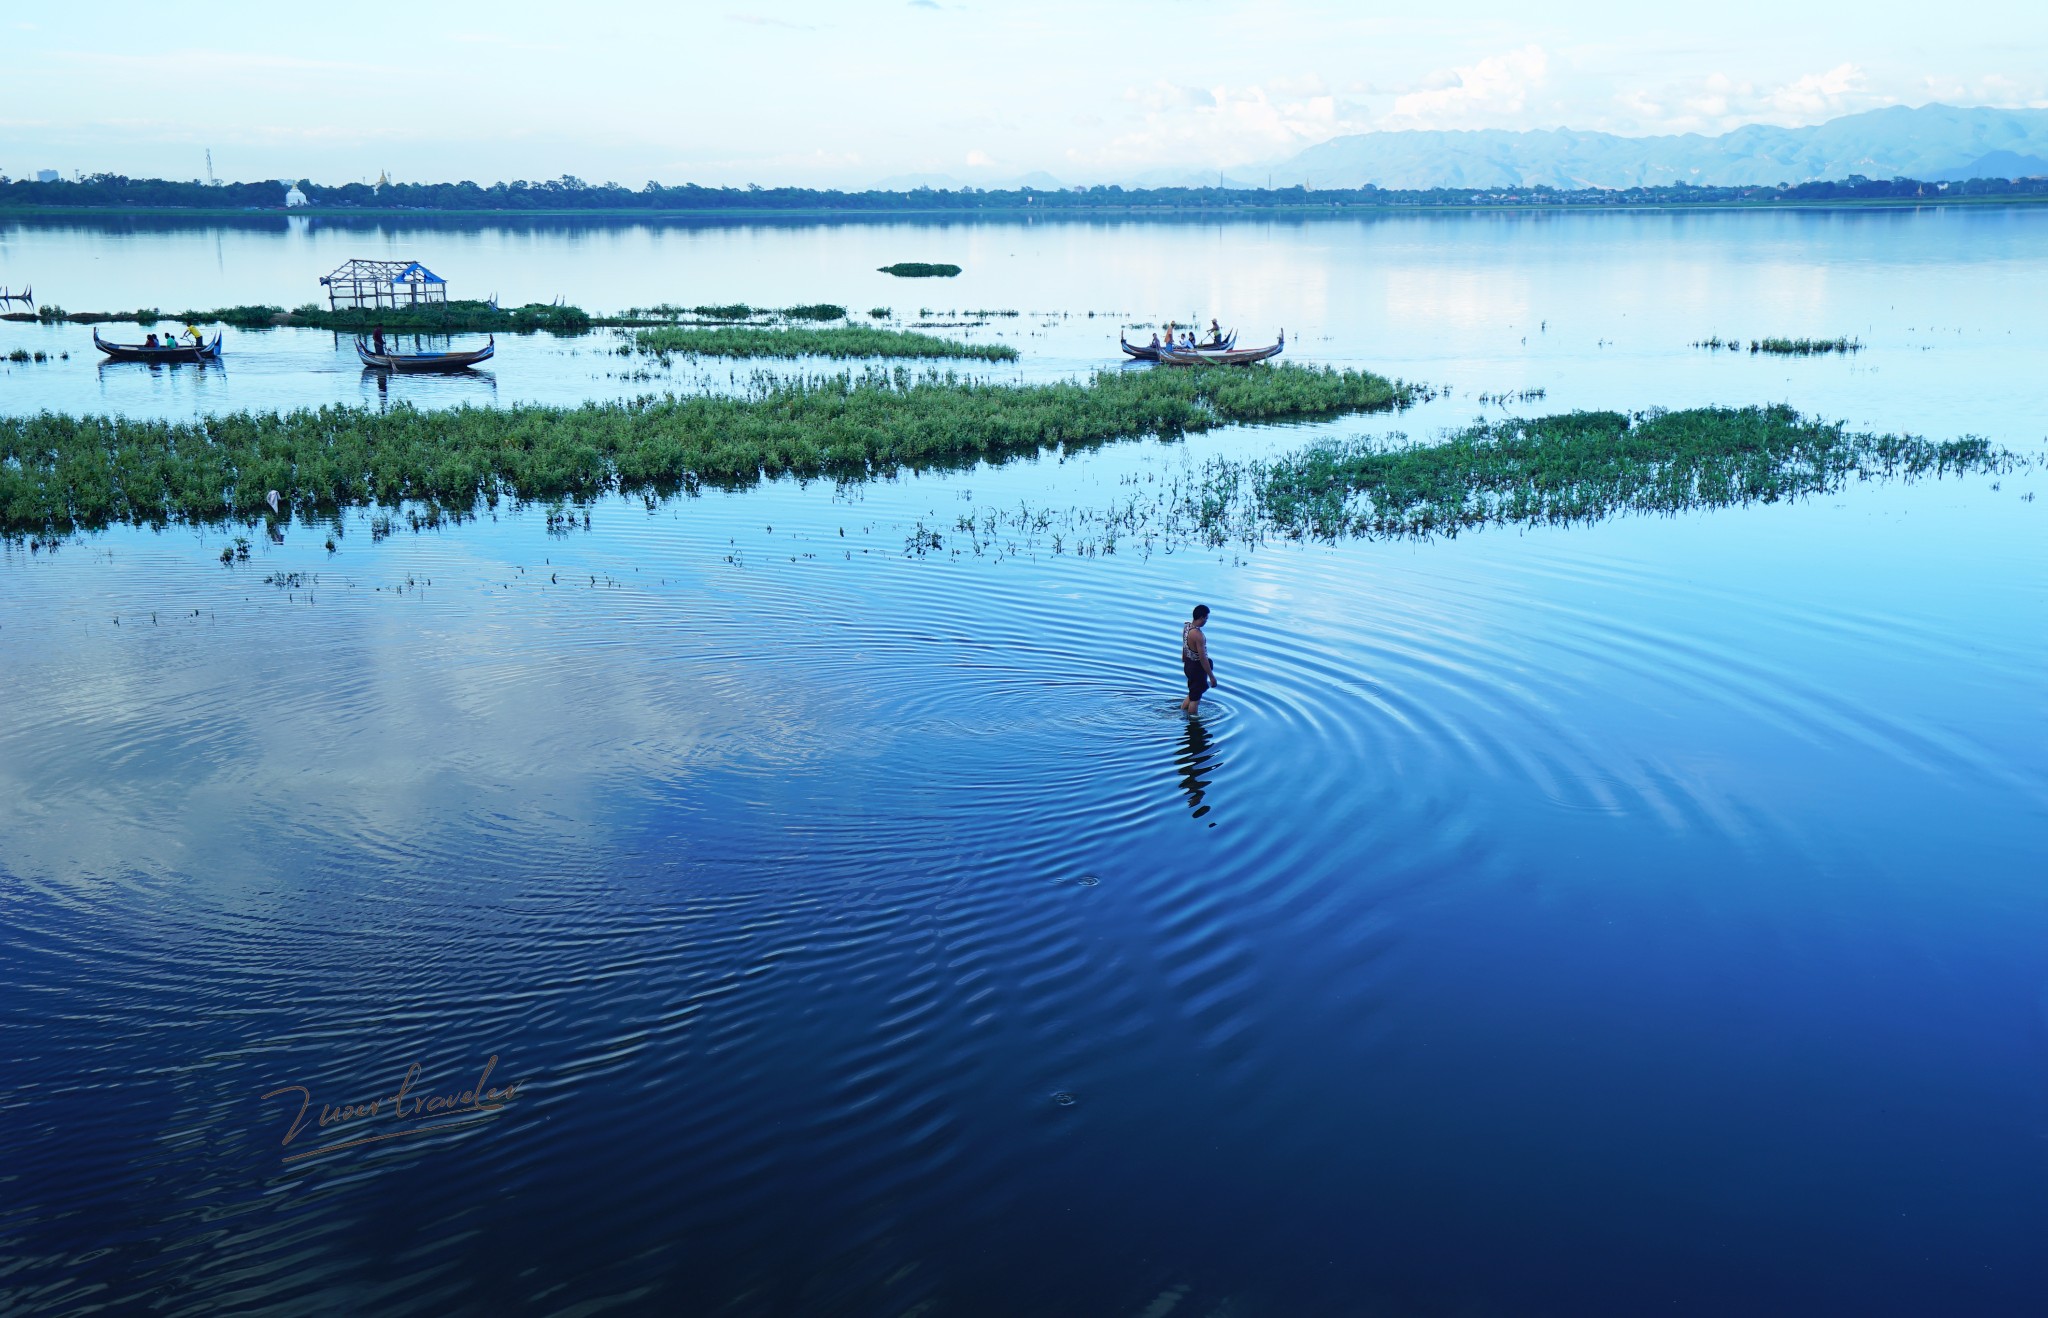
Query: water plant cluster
x,y
60,473
1804,347
441,317
1554,470
1783,347
834,341
920,270
730,312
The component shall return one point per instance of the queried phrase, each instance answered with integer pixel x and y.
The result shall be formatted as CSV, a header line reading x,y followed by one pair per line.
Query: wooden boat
x,y
1145,352
1233,357
142,352
424,361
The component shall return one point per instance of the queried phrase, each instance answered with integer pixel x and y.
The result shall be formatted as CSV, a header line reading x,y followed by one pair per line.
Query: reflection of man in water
x,y
1193,763
1194,660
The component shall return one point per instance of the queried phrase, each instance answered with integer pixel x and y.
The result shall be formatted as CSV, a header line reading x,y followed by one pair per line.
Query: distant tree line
x,y
115,191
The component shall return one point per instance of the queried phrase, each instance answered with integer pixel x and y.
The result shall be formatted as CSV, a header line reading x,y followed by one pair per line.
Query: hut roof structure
x,y
363,283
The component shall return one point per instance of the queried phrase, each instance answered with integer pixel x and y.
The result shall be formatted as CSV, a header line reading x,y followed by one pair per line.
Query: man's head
x,y
1201,613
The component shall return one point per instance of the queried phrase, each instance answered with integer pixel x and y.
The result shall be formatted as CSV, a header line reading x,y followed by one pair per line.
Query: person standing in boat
x,y
1215,331
377,340
1195,664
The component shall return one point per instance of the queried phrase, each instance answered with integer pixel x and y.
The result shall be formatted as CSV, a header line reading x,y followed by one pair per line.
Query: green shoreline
x,y
1304,209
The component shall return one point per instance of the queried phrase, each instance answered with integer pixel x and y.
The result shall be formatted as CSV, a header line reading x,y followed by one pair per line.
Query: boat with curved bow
x,y
424,361
1232,357
1146,352
199,353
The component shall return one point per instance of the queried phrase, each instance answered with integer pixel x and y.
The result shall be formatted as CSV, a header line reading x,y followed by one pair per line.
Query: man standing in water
x,y
1194,660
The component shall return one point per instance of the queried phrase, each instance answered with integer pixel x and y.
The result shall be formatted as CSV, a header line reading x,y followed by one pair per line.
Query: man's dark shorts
x,y
1198,678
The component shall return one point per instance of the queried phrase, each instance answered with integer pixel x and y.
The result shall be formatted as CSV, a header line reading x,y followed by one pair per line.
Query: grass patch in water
x,y
836,341
1556,470
1578,467
1783,347
437,317
64,473
1804,347
920,270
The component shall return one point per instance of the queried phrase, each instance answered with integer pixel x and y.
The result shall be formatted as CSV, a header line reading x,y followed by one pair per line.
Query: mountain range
x,y
1931,143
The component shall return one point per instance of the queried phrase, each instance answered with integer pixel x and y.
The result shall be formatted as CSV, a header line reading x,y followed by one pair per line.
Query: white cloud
x,y
1491,93
1823,95
1720,103
1221,126
764,20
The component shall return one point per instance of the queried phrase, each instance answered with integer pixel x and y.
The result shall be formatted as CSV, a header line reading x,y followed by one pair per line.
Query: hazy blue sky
x,y
847,93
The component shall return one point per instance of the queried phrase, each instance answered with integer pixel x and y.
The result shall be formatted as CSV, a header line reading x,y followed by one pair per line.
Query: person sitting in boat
x,y
1190,344
150,342
1155,340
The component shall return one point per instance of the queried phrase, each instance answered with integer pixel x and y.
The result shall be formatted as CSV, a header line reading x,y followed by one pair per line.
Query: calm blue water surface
x,y
1646,917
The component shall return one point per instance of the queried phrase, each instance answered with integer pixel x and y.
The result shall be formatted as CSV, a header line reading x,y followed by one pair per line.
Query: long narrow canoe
x,y
424,361
1145,352
142,352
1234,357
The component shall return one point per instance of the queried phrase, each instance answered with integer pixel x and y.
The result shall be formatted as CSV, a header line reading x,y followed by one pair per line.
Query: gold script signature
x,y
467,1107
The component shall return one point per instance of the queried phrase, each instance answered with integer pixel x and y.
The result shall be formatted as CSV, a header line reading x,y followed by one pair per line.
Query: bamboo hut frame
x,y
361,283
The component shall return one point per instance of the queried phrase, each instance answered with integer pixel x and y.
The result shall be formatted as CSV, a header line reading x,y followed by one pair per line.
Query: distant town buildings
x,y
46,176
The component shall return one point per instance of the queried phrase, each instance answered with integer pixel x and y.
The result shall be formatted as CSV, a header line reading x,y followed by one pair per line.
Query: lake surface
x,y
1641,917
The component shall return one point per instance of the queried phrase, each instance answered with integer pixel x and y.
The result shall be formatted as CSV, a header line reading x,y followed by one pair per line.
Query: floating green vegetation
x,y
64,473
1782,347
920,270
439,316
726,311
837,341
1804,347
731,312
880,313
24,355
470,316
1555,470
